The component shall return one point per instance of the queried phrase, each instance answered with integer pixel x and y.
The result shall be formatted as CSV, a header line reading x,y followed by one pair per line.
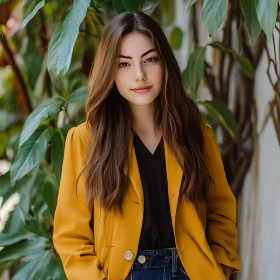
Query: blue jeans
x,y
162,264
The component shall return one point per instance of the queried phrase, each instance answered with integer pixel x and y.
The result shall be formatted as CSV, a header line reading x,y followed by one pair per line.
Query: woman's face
x,y
139,65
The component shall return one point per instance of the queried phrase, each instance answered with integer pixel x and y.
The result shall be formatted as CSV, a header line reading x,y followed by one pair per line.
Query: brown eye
x,y
152,59
122,64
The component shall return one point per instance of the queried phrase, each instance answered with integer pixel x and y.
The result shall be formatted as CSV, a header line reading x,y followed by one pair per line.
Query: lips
x,y
141,89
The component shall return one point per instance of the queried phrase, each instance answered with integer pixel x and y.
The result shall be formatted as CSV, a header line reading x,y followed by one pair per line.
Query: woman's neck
x,y
144,122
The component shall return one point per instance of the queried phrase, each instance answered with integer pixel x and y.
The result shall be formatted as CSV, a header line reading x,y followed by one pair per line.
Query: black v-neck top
x,y
157,229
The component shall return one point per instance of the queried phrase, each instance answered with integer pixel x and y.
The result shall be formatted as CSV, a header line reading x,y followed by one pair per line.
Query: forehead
x,y
135,44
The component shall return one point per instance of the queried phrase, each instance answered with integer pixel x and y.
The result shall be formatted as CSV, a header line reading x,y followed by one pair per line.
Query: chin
x,y
142,102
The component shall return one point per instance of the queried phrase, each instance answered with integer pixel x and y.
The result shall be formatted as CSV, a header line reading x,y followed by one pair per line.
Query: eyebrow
x,y
145,53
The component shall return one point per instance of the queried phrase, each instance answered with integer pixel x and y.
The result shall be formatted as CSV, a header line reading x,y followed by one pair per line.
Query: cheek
x,y
158,74
119,80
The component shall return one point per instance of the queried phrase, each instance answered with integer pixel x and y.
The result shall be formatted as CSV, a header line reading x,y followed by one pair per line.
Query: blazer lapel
x,y
174,177
134,174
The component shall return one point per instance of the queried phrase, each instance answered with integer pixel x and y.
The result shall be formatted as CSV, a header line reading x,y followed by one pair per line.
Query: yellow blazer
x,y
92,243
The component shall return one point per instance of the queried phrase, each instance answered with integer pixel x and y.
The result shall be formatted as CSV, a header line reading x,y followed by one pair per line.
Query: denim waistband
x,y
167,257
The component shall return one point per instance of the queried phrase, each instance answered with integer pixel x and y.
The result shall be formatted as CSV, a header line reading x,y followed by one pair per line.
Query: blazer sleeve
x,y
73,236
221,211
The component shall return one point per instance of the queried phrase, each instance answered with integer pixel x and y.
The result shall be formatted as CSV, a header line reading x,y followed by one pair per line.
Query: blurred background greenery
x,y
46,53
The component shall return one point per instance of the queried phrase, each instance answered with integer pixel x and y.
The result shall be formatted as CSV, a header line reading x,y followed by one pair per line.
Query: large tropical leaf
x,y
251,20
34,12
79,95
193,74
43,265
65,36
245,64
223,114
266,12
56,267
15,222
24,187
57,151
39,85
190,4
47,109
51,193
31,153
4,183
36,267
213,14
119,6
23,248
53,55
7,239
130,5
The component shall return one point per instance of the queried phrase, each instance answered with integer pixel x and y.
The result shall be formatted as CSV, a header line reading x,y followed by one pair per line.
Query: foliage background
x,y
46,52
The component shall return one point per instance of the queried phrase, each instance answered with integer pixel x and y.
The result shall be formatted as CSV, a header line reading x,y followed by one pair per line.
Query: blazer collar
x,y
174,177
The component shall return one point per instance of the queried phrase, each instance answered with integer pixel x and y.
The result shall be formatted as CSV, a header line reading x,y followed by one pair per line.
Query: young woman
x,y
143,193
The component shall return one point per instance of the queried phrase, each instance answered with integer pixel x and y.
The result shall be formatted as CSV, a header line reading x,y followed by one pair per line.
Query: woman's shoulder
x,y
81,132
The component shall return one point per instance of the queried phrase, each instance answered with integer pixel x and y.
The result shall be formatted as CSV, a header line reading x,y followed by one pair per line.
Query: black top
x,y
157,229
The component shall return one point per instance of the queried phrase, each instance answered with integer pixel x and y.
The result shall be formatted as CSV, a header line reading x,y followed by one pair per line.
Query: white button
x,y
141,259
128,255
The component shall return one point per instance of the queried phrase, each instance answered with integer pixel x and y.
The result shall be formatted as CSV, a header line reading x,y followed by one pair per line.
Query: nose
x,y
139,74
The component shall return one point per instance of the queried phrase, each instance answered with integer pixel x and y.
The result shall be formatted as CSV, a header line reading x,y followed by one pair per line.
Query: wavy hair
x,y
110,120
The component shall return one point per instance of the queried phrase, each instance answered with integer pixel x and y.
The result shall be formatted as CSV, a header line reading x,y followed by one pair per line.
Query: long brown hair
x,y
109,118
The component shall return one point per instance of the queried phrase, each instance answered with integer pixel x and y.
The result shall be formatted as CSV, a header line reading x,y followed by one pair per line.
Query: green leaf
x,y
57,152
118,6
36,267
213,14
61,46
39,86
3,1
175,38
15,222
23,248
193,74
47,109
53,55
43,265
23,187
36,221
7,239
57,269
223,114
69,34
131,5
4,183
79,95
96,4
34,12
51,193
246,66
266,12
31,153
190,4
251,20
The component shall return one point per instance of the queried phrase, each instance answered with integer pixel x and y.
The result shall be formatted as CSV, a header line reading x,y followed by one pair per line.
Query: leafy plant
x,y
50,90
